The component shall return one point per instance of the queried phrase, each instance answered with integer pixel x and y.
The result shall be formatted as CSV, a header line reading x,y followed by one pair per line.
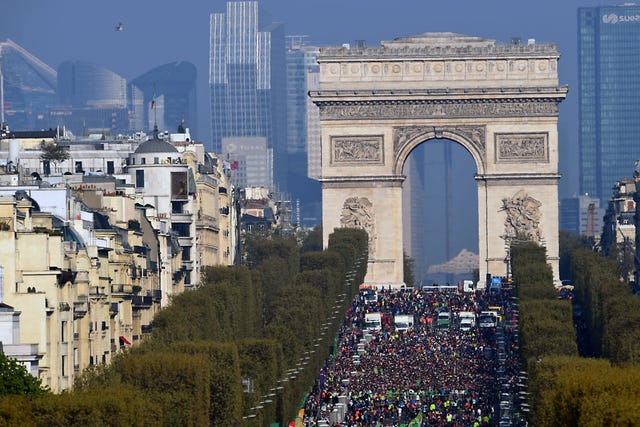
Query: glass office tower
x,y
92,99
303,130
173,88
247,79
609,96
27,88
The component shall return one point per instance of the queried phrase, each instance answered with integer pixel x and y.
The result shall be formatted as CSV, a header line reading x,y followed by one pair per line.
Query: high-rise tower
x,y
247,80
609,92
92,99
27,87
303,129
174,86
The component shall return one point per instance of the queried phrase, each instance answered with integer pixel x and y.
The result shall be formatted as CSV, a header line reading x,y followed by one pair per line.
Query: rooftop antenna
x,y
155,113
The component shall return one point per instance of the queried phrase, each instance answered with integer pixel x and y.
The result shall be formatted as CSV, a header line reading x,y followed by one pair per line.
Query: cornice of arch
x,y
399,109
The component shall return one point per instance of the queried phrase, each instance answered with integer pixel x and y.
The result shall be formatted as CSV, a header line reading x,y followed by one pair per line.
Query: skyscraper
x,y
173,88
247,80
92,99
27,87
303,129
609,96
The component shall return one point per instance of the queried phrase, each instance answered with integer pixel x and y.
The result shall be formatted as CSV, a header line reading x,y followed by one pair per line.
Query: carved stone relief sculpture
x,y
519,147
357,212
523,218
357,149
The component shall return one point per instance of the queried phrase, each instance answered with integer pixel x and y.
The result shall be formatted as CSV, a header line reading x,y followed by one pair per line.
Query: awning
x,y
124,340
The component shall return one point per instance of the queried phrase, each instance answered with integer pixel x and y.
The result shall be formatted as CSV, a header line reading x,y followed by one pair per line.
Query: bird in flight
x,y
119,27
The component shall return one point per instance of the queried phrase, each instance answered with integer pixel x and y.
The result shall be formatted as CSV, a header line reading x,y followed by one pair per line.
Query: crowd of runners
x,y
435,373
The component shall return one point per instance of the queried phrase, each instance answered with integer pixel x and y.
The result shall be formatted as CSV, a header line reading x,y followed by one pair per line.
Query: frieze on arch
x,y
402,135
363,110
522,147
360,149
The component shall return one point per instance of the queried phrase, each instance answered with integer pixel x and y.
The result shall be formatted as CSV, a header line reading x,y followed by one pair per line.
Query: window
x,y
79,167
156,160
140,178
110,168
63,331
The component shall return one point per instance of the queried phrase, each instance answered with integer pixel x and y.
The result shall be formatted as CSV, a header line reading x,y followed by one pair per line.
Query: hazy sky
x,y
161,31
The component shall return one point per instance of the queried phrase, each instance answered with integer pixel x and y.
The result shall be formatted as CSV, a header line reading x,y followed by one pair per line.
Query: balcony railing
x,y
97,291
184,216
141,302
122,288
80,309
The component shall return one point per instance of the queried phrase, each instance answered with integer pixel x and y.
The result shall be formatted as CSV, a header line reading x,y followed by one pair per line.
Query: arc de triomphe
x,y
499,101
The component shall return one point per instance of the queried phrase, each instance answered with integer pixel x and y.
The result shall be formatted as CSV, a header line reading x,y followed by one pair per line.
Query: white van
x,y
369,296
467,320
487,319
403,322
373,321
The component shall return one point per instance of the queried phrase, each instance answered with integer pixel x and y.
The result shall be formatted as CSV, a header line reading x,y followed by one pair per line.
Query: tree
x,y
15,379
53,153
408,264
313,240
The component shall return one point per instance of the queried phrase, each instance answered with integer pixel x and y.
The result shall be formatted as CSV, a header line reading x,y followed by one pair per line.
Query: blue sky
x,y
161,31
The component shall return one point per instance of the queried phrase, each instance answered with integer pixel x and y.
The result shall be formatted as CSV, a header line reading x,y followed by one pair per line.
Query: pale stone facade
x,y
87,260
500,102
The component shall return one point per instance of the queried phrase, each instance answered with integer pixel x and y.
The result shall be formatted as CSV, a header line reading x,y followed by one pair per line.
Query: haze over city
x,y
323,214
131,38
163,31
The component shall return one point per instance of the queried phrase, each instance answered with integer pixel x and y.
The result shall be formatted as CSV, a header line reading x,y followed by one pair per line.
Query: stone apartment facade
x,y
89,257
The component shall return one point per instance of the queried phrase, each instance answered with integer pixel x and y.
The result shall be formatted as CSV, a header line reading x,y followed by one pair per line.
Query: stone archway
x,y
500,102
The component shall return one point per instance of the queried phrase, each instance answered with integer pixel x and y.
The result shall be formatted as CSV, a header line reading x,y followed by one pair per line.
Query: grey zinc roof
x,y
155,146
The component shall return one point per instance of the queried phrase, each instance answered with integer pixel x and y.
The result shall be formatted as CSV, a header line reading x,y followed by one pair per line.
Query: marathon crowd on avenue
x,y
431,374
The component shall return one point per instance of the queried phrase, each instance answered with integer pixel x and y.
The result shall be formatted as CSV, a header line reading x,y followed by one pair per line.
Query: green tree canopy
x,y
15,379
52,152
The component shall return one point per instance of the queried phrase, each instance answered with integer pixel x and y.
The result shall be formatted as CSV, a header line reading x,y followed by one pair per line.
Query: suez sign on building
x,y
614,18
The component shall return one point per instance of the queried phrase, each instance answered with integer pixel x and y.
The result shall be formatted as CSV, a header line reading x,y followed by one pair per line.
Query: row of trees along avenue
x,y
242,349
599,387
